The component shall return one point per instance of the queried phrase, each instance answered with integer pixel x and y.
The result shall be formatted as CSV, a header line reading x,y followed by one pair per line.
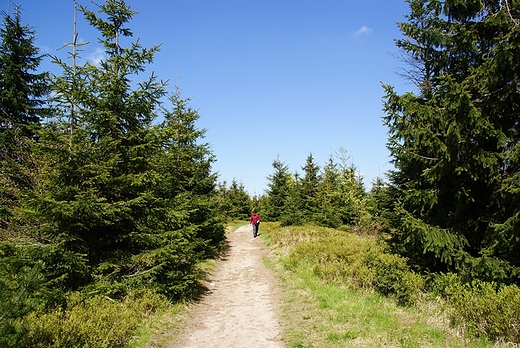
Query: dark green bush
x,y
21,280
486,309
392,276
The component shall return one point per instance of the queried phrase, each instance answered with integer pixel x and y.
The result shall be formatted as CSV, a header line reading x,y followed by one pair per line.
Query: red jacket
x,y
254,218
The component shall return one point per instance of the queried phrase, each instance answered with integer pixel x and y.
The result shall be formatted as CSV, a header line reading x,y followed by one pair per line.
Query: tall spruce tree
x,y
23,94
309,185
278,191
98,178
455,141
302,204
329,197
186,183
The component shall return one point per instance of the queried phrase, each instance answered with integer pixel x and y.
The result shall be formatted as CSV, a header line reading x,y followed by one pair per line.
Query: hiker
x,y
255,221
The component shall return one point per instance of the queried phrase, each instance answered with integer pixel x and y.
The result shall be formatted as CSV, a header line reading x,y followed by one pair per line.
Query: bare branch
x,y
504,3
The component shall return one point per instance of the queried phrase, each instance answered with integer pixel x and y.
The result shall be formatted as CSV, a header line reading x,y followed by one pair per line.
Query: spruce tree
x,y
455,141
23,94
223,201
309,186
329,197
278,190
379,203
186,181
340,193
98,179
302,203
294,212
240,201
351,204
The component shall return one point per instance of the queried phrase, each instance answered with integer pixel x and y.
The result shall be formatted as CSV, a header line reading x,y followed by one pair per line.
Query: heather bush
x,y
486,309
90,322
480,309
392,276
334,257
349,260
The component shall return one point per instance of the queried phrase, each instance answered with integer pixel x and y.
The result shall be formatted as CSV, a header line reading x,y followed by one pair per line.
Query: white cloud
x,y
97,56
364,30
44,49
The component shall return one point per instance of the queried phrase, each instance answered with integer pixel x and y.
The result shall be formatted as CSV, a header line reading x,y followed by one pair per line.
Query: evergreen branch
x,y
25,288
516,21
425,157
139,273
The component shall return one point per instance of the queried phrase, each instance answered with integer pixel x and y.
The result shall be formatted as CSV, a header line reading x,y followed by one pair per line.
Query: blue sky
x,y
269,78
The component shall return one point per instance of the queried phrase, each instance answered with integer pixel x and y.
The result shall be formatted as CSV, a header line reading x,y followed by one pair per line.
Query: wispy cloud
x,y
97,56
363,31
44,49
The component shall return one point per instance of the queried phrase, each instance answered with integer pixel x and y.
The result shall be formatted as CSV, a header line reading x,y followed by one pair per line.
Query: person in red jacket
x,y
255,221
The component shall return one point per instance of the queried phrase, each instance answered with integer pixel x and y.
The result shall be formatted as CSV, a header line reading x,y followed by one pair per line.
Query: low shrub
x,y
439,284
392,276
93,322
335,258
486,309
349,260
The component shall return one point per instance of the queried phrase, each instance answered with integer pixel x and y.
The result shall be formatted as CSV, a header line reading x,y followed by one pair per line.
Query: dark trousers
x,y
255,229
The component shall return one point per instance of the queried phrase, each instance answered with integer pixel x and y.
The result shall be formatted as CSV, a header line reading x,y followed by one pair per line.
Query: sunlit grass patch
x,y
161,329
232,226
318,314
334,293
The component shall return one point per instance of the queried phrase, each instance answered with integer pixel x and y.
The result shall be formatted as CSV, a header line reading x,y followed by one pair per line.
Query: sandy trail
x,y
241,308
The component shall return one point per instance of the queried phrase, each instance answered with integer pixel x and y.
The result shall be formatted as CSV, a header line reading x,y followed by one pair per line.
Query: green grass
x,y
161,329
317,314
235,224
324,312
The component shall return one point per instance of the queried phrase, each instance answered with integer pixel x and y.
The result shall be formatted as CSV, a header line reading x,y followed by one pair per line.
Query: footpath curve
x,y
241,308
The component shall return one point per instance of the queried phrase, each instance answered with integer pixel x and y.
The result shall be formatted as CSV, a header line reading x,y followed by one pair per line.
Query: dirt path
x,y
242,306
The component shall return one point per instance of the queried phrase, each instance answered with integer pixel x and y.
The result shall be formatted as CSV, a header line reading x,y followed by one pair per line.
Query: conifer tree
x,y
98,178
340,194
234,201
23,94
455,142
329,197
309,185
223,202
379,204
351,190
240,202
278,190
124,203
294,212
302,204
186,182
